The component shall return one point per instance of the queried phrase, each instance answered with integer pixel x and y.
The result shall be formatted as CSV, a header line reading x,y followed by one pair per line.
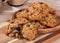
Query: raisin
x,y
28,25
41,3
36,21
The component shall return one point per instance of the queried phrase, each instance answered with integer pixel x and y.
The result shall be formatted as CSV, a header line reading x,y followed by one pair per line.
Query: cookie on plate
x,y
50,20
22,13
36,11
37,6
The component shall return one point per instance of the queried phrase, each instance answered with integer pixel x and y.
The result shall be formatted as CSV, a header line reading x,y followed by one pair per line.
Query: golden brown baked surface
x,y
26,22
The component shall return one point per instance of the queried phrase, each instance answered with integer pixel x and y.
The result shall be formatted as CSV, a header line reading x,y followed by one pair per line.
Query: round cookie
x,y
13,29
39,10
22,13
29,30
50,20
36,11
37,6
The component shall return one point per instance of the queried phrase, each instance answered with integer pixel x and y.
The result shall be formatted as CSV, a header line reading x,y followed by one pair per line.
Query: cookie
x,y
36,11
29,30
22,13
14,31
37,6
15,27
50,20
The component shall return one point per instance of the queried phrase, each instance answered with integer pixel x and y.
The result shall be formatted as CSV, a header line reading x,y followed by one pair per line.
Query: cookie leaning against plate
x,y
12,31
29,30
14,28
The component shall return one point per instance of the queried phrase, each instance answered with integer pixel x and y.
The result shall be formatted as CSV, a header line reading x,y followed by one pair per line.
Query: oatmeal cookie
x,y
14,31
29,30
36,11
50,20
37,6
22,13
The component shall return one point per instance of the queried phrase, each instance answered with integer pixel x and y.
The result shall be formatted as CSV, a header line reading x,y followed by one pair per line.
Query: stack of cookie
x,y
26,22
